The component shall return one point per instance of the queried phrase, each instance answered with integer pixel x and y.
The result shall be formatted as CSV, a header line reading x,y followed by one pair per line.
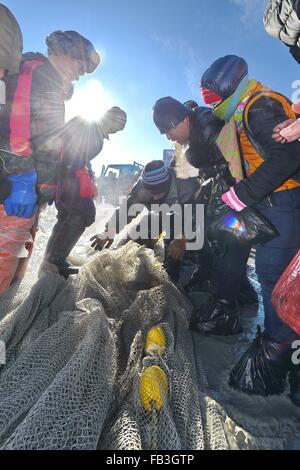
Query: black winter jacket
x,y
82,141
203,152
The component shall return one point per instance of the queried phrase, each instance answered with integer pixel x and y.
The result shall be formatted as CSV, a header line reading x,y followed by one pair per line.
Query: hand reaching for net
x,y
99,242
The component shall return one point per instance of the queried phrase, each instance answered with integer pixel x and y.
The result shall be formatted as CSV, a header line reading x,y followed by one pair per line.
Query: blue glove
x,y
22,200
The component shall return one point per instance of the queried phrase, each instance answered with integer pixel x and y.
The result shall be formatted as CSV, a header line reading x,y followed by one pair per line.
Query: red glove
x,y
86,183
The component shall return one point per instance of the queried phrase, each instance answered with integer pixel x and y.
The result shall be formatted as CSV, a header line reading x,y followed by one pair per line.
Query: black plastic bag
x,y
248,227
262,370
215,317
226,226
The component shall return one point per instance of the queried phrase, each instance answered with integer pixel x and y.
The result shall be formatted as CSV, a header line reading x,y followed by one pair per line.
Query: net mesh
x,y
106,360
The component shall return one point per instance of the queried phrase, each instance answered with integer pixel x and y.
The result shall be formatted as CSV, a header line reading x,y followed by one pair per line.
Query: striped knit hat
x,y
156,177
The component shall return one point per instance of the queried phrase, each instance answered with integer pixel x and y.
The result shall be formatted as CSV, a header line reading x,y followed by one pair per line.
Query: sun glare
x,y
89,101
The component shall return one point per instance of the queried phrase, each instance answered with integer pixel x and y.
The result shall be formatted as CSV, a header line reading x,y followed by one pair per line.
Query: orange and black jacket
x,y
280,162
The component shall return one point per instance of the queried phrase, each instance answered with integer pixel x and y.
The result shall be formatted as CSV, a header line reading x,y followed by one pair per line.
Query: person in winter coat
x,y
282,21
273,186
197,129
31,126
11,46
82,141
158,186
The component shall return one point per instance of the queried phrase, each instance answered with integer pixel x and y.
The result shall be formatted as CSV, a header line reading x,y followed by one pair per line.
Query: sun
x,y
89,101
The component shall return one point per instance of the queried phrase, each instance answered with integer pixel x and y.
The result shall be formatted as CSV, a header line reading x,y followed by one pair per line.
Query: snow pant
x,y
71,224
16,243
273,257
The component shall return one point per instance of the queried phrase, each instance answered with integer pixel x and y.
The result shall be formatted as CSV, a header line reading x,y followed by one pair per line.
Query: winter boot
x,y
65,268
60,244
247,295
263,368
217,317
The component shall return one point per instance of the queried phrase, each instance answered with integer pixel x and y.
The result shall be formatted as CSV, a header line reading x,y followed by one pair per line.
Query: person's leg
x,y
8,267
219,315
263,368
228,273
270,264
16,233
65,234
71,224
23,262
273,257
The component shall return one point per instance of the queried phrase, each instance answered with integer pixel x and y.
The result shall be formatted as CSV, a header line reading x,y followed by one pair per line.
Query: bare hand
x,y
176,249
296,108
277,131
99,242
292,132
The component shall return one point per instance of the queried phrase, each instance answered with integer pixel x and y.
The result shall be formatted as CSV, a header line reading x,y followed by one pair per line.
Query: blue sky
x,y
154,48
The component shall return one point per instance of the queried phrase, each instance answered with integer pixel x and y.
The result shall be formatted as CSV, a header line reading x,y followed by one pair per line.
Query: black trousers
x,y
225,273
71,223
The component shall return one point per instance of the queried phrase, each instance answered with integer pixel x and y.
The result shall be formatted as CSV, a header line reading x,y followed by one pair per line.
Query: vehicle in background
x,y
116,181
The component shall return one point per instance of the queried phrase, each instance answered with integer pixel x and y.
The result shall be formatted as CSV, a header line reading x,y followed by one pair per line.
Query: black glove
x,y
114,120
99,242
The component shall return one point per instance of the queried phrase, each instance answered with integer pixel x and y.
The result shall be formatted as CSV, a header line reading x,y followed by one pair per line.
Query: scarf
x,y
227,108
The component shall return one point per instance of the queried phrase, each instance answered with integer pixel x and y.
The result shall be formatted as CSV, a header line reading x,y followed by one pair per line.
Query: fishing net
x,y
105,360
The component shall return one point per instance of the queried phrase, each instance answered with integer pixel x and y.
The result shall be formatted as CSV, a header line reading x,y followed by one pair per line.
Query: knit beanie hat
x,y
11,41
74,45
156,177
168,113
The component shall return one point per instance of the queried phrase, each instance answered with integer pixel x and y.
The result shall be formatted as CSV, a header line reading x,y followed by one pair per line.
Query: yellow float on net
x,y
153,388
155,340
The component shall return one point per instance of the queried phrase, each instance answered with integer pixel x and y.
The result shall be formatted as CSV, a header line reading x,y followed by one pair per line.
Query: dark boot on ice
x,y
217,317
263,368
65,268
63,238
